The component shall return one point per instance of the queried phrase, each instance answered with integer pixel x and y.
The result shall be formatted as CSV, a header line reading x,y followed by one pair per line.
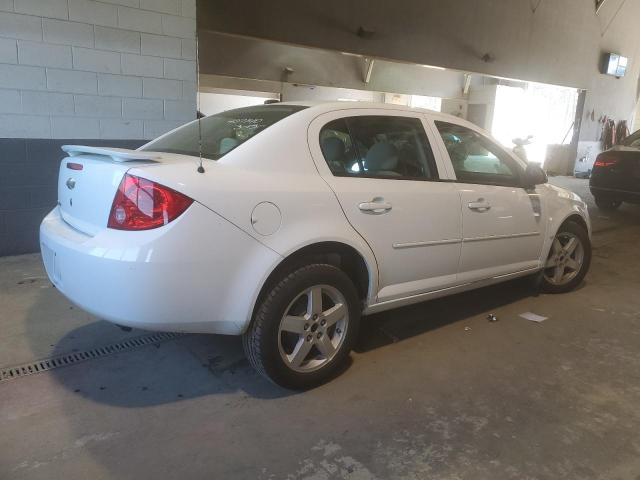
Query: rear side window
x,y
218,134
379,147
476,159
338,148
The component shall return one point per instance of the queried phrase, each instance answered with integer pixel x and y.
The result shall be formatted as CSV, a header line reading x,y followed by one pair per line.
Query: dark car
x,y
616,174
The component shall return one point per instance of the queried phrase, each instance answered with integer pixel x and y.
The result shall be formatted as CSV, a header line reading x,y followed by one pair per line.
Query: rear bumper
x,y
198,274
624,195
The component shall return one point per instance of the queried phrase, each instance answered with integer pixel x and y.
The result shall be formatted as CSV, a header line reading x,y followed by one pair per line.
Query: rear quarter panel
x,y
190,275
276,167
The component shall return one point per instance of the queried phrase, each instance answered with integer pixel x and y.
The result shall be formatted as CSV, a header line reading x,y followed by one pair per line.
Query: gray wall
x,y
114,69
28,180
109,72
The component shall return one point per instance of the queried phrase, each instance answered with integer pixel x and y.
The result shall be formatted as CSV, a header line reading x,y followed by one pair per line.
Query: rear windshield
x,y
222,132
632,140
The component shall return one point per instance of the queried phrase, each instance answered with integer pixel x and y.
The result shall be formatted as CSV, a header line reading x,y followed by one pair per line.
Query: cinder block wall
x,y
113,72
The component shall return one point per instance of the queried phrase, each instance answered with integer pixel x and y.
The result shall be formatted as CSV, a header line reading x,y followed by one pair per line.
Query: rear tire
x,y
569,259
304,328
607,203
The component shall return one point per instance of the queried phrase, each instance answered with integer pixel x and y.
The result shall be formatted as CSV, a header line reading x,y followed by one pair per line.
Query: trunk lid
x,y
88,180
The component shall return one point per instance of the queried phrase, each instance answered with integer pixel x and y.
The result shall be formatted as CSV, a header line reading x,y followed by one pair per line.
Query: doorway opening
x,y
546,113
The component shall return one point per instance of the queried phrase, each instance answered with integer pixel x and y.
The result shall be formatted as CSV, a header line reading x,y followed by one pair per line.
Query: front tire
x,y
304,328
607,203
569,259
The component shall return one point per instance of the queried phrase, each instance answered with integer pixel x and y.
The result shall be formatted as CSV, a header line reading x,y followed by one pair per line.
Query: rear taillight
x,y
141,204
604,161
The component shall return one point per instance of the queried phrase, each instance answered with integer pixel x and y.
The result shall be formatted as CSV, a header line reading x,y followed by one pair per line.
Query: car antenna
x,y
199,120
200,167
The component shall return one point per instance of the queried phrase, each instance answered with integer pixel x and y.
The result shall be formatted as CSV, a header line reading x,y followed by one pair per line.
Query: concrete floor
x,y
433,391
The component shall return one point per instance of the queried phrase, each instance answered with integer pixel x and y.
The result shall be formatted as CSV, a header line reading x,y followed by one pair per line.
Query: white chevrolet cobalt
x,y
286,223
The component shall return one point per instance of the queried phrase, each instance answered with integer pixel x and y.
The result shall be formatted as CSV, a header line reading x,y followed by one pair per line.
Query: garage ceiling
x,y
568,36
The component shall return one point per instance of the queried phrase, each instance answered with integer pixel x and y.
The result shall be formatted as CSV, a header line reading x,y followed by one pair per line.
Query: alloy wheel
x,y
313,328
565,259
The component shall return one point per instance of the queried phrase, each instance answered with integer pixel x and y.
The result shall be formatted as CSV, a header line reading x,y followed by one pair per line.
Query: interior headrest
x,y
382,156
458,153
333,149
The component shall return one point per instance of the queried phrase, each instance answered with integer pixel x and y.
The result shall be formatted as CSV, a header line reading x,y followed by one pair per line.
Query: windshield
x,y
222,132
632,140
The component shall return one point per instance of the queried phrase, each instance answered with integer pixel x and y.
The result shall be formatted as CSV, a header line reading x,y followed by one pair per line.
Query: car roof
x,y
315,109
318,107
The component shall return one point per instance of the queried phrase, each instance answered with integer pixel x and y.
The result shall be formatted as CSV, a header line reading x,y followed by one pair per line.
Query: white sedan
x,y
286,223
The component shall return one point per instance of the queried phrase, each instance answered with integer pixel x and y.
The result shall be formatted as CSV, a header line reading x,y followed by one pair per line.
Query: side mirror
x,y
534,175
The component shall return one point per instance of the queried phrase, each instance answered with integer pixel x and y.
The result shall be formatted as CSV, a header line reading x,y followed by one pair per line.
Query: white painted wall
x,y
292,92
110,69
455,106
212,103
586,156
484,95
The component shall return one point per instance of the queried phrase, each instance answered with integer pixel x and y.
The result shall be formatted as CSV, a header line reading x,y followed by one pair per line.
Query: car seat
x,y
382,159
334,152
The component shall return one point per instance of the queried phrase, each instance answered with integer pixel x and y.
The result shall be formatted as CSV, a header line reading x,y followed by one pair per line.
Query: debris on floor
x,y
533,317
467,329
30,280
492,318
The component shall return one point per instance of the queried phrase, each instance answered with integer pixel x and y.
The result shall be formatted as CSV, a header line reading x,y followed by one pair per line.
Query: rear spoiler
x,y
117,154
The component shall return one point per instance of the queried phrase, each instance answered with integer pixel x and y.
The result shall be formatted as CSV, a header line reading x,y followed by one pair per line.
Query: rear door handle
x,y
375,206
480,205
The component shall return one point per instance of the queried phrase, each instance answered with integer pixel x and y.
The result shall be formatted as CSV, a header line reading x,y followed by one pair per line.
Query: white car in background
x,y
286,223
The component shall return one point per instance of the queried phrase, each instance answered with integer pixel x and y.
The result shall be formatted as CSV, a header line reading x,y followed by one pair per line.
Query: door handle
x,y
480,205
375,206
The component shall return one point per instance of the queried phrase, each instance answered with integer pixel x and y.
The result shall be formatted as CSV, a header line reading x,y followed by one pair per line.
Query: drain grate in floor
x,y
9,373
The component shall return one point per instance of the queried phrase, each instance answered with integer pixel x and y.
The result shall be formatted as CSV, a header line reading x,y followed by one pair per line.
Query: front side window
x,y
476,159
378,146
218,134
